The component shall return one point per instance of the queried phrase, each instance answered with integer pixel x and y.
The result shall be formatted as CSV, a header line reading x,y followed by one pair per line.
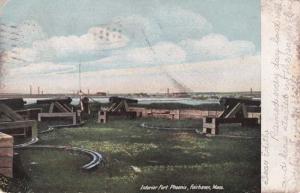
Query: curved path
x,y
28,143
53,127
96,158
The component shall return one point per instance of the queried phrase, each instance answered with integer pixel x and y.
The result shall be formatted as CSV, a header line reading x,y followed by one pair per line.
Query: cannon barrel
x,y
120,99
64,100
233,101
14,103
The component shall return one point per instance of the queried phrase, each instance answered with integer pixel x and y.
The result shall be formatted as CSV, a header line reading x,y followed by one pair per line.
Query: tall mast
x,y
79,76
79,84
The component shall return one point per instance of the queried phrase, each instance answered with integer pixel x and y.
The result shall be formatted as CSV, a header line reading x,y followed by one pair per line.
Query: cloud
x,y
163,52
137,28
30,31
209,47
174,24
158,54
40,69
206,76
178,24
215,75
65,47
96,39
20,57
139,52
166,23
22,35
216,46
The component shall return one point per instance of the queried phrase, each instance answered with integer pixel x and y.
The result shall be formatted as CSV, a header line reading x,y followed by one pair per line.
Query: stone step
x,y
6,155
6,152
6,162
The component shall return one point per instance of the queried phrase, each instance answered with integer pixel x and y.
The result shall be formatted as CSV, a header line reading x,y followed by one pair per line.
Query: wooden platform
x,y
72,115
14,124
19,128
59,108
118,107
236,111
103,116
29,114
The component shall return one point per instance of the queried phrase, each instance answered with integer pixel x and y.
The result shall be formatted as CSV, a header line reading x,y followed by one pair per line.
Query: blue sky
x,y
151,38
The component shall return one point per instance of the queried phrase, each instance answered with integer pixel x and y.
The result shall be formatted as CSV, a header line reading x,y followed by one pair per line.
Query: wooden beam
x,y
16,124
4,126
71,115
234,110
67,107
51,108
60,107
29,114
57,114
30,110
245,112
126,106
111,106
117,107
10,113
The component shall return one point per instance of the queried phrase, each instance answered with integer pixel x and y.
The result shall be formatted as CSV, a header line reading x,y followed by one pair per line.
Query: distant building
x,y
141,94
101,93
180,94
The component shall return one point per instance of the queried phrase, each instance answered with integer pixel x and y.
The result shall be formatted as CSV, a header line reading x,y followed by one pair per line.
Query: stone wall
x,y
174,114
181,114
6,155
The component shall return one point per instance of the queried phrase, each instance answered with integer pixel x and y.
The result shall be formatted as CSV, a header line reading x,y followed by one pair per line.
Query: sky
x,y
125,46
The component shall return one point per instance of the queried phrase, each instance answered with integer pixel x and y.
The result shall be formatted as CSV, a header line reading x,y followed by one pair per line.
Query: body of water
x,y
188,101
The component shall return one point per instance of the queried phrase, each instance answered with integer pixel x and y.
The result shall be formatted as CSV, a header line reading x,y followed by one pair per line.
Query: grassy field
x,y
136,156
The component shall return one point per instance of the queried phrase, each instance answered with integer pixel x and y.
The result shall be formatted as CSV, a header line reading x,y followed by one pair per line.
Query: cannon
x,y
14,103
62,100
235,111
18,105
115,99
119,106
59,108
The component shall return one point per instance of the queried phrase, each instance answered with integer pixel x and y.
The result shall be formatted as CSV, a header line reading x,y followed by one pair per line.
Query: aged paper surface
x,y
280,96
280,56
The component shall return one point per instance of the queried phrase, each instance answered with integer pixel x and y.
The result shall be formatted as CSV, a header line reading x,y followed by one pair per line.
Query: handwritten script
x,y
281,81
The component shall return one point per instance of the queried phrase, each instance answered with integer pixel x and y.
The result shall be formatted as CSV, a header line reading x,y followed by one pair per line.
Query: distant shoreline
x,y
137,95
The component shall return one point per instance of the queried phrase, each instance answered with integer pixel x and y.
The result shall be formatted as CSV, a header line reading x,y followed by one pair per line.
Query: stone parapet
x,y
6,155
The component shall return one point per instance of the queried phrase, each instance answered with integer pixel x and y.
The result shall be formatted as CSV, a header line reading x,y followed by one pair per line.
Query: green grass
x,y
192,123
163,157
